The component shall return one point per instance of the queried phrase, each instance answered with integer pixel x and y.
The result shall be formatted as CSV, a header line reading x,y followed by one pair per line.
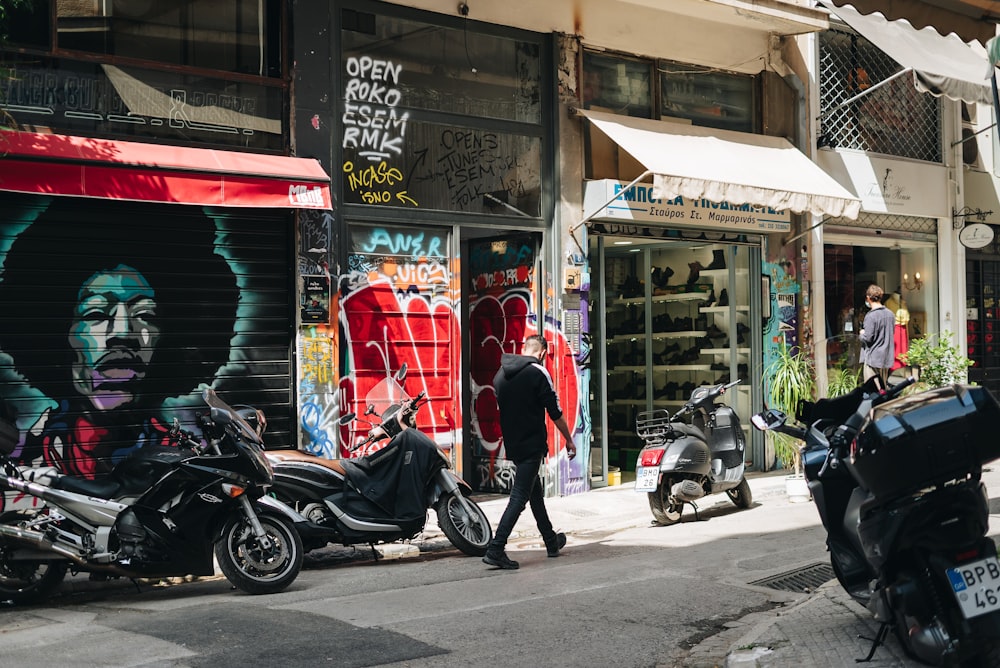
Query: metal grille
x,y
888,221
802,579
894,119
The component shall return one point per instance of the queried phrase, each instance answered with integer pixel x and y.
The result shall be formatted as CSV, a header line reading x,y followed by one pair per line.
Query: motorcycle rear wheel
x,y
665,510
741,495
250,566
29,581
470,534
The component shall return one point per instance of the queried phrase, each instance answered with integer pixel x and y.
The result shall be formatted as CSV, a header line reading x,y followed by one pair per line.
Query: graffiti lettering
x,y
474,169
364,182
403,243
372,124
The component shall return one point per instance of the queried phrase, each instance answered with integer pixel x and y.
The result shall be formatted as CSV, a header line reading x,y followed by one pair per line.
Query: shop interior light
x,y
915,284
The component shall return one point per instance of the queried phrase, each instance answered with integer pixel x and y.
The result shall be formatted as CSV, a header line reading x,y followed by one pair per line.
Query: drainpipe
x,y
814,242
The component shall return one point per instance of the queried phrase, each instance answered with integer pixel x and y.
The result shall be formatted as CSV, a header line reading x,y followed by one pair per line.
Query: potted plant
x,y
938,361
841,380
790,379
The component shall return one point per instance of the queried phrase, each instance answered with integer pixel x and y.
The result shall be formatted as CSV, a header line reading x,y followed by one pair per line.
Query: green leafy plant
x,y
841,380
790,379
939,361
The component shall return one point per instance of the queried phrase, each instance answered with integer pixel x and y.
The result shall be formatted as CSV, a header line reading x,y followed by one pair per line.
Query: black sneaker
x,y
501,561
557,543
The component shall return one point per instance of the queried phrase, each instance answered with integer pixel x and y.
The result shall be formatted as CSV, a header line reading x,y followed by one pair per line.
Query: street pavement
x,y
822,628
819,627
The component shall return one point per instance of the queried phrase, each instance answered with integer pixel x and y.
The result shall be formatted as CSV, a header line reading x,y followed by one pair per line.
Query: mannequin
x,y
901,338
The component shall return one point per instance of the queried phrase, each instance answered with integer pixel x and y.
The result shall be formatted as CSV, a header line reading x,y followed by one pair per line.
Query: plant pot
x,y
797,489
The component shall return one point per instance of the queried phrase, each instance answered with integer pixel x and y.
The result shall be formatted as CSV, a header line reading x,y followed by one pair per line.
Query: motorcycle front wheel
x,y
665,510
254,567
741,495
29,581
469,533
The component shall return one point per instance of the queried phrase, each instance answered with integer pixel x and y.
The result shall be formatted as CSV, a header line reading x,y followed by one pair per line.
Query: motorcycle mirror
x,y
401,374
347,417
370,410
769,419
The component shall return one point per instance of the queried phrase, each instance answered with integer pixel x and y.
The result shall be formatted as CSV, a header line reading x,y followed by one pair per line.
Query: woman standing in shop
x,y
877,348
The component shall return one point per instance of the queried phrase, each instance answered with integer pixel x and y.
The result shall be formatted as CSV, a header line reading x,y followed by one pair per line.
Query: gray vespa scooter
x,y
684,461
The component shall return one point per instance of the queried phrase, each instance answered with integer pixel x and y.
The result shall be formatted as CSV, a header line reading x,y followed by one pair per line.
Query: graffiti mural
x,y
399,306
319,401
112,320
501,317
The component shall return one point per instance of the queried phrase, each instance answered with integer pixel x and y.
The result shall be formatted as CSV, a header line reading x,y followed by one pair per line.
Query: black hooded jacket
x,y
524,393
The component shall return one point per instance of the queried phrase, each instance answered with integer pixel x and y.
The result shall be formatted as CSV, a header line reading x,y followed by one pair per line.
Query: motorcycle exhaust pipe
x,y
38,540
687,491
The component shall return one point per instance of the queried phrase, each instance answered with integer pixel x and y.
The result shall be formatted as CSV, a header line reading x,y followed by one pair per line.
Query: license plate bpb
x,y
976,586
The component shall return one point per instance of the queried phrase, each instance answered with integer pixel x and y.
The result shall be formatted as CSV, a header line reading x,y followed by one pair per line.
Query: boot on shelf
x,y
723,298
695,271
718,260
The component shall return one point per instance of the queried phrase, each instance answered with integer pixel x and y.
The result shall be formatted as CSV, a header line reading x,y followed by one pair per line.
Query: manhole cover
x,y
802,579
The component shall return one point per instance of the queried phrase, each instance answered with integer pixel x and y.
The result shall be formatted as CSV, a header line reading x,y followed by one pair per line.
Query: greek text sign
x,y
638,204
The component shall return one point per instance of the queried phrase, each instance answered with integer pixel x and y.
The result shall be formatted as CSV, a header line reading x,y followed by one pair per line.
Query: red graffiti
x,y
500,325
384,330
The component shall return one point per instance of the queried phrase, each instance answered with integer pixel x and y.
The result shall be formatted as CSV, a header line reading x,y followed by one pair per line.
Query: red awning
x,y
48,164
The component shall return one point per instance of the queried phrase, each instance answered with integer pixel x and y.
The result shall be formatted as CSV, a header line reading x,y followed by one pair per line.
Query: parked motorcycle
x,y
682,462
159,513
384,495
897,484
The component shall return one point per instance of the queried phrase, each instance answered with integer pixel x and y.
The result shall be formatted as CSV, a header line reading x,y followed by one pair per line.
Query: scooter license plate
x,y
647,478
977,586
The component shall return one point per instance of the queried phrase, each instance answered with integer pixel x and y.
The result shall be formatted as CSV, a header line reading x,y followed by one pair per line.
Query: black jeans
x,y
527,488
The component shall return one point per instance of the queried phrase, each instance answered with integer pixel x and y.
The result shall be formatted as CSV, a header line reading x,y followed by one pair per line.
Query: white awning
x,y
726,166
941,65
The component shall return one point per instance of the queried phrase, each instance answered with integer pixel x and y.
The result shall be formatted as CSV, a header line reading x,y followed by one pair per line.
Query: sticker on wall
x,y
315,305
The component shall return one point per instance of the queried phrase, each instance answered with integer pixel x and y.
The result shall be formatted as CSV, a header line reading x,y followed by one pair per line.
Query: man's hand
x,y
570,449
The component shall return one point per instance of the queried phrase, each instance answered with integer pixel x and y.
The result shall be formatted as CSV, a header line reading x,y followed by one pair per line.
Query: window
x,y
616,84
709,98
894,119
395,63
241,36
436,117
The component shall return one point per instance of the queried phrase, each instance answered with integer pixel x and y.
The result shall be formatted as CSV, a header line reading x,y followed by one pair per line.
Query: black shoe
x,y
718,259
501,561
724,298
556,543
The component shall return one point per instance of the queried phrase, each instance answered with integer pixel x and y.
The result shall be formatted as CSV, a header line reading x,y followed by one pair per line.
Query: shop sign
x,y
976,235
890,186
637,204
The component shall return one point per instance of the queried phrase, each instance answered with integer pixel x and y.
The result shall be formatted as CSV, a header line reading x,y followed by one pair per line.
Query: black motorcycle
x,y
897,482
159,513
384,495
699,450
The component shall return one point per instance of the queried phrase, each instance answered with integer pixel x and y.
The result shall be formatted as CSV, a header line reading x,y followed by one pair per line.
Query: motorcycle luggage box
x,y
926,438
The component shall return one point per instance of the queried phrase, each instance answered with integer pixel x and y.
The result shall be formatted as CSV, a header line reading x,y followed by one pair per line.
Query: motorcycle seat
x,y
105,488
299,456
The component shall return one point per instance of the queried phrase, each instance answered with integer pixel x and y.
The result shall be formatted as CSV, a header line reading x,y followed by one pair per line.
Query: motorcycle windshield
x,y
385,393
250,443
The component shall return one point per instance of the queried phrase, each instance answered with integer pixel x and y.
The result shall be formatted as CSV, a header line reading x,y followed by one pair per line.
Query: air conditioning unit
x,y
971,155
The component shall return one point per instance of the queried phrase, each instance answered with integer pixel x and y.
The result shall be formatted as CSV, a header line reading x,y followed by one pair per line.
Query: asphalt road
x,y
620,595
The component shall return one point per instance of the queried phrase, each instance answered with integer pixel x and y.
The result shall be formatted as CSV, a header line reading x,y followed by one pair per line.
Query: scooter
x,y
681,462
159,513
897,482
382,496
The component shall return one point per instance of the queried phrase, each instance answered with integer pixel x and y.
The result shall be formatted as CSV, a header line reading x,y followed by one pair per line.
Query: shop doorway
x,y
849,268
500,306
672,315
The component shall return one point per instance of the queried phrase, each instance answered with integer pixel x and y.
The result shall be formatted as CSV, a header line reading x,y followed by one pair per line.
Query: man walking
x,y
525,394
877,347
